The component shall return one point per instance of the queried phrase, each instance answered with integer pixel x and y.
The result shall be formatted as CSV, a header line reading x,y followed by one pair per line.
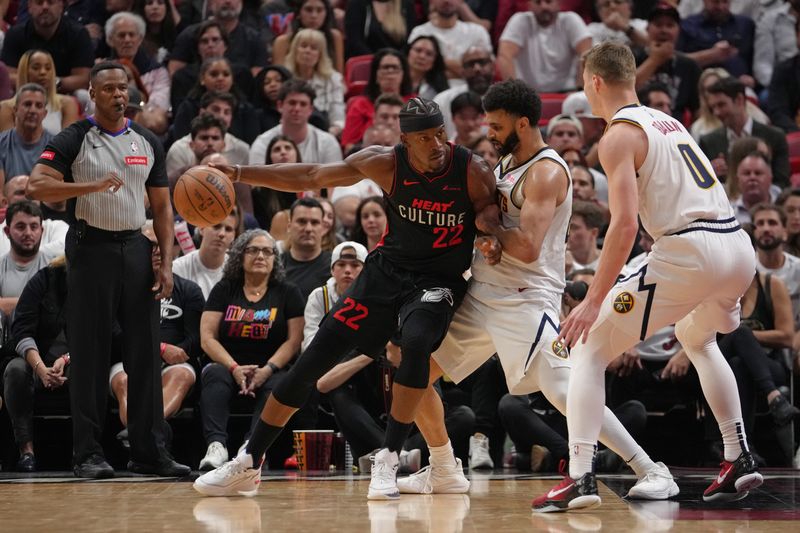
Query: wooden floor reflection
x,y
495,504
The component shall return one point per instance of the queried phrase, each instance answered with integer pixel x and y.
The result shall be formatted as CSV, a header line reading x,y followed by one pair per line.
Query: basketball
x,y
204,196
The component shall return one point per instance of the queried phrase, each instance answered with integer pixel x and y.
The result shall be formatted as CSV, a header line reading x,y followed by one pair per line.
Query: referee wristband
x,y
273,367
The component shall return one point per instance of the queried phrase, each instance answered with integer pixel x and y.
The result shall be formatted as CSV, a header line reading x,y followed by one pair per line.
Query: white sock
x,y
442,455
733,438
581,458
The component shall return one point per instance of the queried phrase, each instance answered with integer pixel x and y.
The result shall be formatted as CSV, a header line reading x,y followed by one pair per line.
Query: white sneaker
x,y
479,452
436,479
656,484
216,455
237,477
383,484
410,461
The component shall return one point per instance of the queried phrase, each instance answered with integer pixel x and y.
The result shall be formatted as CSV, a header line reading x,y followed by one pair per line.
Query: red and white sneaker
x,y
735,480
568,495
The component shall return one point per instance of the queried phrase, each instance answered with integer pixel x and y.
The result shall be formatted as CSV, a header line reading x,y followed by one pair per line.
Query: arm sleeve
x,y
26,314
192,309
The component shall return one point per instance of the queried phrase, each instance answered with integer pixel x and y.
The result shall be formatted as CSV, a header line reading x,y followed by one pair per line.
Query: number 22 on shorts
x,y
351,313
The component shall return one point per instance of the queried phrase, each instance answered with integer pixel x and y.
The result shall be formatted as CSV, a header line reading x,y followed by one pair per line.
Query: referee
x,y
103,166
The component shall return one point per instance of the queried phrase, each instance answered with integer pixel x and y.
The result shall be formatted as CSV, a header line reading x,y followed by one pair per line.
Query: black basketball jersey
x,y
430,219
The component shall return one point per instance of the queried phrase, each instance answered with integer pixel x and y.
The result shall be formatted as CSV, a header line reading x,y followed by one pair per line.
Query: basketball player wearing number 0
x,y
700,265
413,279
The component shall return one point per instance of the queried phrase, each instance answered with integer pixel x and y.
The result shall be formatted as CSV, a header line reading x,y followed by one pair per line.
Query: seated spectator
x,y
455,36
370,222
541,47
124,34
180,344
747,8
21,146
40,343
267,202
583,187
388,75
617,24
387,111
789,200
754,180
295,103
656,95
25,258
346,201
479,68
206,137
216,75
162,19
54,231
381,135
769,231
468,117
718,38
204,266
775,37
266,88
486,150
784,90
706,122
315,15
304,262
726,99
660,62
426,67
330,229
211,41
48,29
584,229
308,60
566,132
181,156
246,45
372,24
36,66
251,328
739,149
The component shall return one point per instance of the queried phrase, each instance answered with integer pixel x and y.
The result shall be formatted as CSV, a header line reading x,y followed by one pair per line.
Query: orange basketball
x,y
204,196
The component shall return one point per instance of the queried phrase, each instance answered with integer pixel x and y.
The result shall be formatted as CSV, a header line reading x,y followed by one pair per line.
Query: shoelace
x,y
232,468
427,487
382,470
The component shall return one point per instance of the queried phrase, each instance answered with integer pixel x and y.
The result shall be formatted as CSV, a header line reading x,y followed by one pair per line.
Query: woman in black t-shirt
x,y
251,328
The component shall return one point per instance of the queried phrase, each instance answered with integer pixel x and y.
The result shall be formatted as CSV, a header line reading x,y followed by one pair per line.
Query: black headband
x,y
419,114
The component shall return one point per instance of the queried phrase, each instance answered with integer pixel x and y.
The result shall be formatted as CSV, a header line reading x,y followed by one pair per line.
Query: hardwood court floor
x,y
317,504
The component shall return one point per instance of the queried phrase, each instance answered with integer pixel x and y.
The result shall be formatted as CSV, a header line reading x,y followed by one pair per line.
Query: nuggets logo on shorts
x,y
438,294
560,350
623,303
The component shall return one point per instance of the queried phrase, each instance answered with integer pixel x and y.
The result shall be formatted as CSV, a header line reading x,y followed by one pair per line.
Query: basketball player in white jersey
x,y
700,264
512,308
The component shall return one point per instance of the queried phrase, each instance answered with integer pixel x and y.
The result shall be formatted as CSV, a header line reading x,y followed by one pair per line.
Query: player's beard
x,y
509,145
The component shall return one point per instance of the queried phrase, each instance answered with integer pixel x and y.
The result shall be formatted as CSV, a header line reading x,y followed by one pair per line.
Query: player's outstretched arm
x,y
374,162
546,186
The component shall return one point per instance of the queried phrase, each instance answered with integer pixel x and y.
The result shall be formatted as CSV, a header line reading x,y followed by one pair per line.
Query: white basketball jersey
x,y
676,182
547,272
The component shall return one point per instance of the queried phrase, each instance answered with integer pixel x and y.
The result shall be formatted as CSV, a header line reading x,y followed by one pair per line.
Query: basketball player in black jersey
x,y
412,280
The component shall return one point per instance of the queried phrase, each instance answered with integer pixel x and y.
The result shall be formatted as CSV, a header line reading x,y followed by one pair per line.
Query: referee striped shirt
x,y
85,152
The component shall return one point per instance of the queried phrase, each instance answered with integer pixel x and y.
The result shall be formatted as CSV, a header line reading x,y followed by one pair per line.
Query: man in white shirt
x,y
478,67
53,231
616,24
295,104
204,266
454,36
541,47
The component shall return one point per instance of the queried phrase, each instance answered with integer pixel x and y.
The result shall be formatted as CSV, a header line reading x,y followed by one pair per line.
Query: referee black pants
x,y
109,277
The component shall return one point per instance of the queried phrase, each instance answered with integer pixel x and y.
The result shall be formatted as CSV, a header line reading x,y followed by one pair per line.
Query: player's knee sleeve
x,y
692,338
422,333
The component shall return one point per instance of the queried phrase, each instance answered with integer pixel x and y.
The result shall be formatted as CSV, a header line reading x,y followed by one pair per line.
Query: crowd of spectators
x,y
274,81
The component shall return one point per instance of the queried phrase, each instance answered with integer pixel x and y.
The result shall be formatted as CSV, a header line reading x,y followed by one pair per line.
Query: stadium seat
x,y
793,140
551,106
356,74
